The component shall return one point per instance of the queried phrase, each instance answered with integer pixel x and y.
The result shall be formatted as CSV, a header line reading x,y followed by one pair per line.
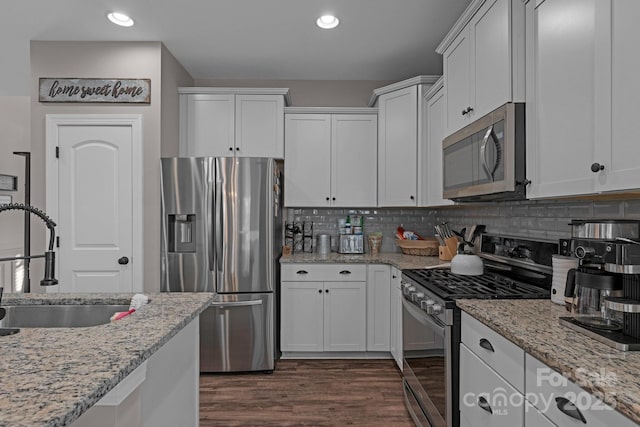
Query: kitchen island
x,y
533,326
51,376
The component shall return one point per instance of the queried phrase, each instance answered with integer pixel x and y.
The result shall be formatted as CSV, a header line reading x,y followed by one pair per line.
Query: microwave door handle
x,y
483,152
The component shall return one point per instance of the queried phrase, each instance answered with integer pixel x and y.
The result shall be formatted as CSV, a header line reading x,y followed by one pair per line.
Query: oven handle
x,y
424,318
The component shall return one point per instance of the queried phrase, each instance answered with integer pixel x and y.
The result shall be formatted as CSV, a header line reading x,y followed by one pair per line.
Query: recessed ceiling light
x,y
120,19
327,22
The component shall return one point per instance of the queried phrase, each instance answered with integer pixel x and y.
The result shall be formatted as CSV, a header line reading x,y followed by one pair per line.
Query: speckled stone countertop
x,y
533,325
395,259
49,376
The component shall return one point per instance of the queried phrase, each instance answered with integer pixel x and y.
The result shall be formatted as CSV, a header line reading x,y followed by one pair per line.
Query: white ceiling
x,y
245,39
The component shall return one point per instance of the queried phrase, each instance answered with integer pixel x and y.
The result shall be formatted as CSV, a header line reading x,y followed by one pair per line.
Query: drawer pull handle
x,y
345,272
482,403
302,272
484,343
568,408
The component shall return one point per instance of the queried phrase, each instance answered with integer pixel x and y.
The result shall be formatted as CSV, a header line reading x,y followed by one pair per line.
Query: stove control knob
x,y
408,290
426,304
436,309
417,296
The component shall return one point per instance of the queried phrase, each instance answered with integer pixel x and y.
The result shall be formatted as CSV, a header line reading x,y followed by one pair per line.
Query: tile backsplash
x,y
538,219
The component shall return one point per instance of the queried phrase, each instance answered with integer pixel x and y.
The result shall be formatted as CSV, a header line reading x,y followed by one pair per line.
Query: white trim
x,y
439,84
53,121
418,80
331,110
457,28
239,91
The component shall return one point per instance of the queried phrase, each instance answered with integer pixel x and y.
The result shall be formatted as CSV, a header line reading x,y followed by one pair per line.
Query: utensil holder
x,y
446,253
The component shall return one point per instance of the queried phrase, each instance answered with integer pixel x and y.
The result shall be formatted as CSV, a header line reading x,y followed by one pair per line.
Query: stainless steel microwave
x,y
485,160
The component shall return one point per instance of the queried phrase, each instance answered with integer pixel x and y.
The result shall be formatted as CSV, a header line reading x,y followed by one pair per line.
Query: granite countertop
x,y
50,376
533,325
398,260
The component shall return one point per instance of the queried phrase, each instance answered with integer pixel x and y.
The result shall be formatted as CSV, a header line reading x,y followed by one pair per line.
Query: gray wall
x,y
540,220
312,93
173,76
103,60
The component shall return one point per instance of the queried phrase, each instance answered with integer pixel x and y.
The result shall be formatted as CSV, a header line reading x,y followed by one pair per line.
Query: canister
x,y
323,244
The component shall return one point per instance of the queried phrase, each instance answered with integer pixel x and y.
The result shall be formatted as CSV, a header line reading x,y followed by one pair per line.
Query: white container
x,y
561,265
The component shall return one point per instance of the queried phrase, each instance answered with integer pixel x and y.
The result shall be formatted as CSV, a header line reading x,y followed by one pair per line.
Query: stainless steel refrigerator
x,y
222,232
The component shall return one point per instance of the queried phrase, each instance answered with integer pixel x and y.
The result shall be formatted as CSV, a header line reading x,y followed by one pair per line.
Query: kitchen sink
x,y
58,316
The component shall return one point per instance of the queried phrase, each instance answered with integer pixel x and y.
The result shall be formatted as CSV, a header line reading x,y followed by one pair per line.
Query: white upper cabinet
x,y
581,114
435,111
226,122
401,141
483,61
331,158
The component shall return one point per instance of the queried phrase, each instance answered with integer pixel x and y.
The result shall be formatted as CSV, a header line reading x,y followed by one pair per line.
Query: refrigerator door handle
x,y
210,212
236,303
218,228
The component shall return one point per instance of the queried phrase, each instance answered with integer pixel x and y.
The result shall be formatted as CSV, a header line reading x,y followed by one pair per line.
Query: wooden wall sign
x,y
121,91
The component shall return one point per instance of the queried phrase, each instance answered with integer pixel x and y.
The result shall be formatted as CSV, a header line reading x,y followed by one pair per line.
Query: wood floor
x,y
307,393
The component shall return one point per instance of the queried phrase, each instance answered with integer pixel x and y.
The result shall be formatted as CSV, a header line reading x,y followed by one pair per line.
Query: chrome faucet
x,y
49,256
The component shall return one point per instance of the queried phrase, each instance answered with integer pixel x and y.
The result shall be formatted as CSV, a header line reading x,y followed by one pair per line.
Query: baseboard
x,y
336,355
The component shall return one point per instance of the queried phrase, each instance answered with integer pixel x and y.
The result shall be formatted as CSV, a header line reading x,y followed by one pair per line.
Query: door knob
x,y
596,167
123,261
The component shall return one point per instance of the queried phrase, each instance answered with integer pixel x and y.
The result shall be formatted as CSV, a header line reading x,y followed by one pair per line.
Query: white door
x,y
301,326
456,72
93,193
260,126
210,121
345,316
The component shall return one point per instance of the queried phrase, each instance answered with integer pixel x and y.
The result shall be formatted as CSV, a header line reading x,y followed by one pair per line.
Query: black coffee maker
x,y
604,291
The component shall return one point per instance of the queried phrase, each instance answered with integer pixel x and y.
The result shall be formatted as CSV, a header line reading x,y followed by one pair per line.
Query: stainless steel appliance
x,y
607,249
485,160
587,290
222,232
430,370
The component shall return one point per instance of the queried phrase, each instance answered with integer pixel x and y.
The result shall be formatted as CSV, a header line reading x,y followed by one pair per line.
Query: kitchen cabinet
x,y
565,403
331,157
583,104
395,341
378,307
431,194
483,61
227,122
162,391
401,137
323,308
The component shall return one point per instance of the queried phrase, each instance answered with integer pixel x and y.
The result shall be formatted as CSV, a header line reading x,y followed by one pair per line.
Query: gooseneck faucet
x,y
49,256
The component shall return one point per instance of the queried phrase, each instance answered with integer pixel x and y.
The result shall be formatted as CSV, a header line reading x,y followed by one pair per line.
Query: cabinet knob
x,y
597,167
333,198
319,291
570,409
328,198
123,261
302,272
467,111
345,272
326,290
237,148
483,404
411,197
464,112
230,148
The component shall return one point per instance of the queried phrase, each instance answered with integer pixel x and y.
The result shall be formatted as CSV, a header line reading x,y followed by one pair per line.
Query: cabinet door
x,y
354,158
622,168
398,147
209,125
560,118
534,418
308,165
301,316
259,126
435,119
457,81
396,317
345,324
490,60
378,307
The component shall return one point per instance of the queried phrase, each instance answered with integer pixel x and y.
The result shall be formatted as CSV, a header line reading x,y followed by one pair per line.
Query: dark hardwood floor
x,y
307,393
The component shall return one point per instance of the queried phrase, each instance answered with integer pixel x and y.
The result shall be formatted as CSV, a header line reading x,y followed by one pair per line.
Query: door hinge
x,y
57,152
57,241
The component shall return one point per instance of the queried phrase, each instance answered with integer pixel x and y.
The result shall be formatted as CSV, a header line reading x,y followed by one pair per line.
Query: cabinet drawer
x,y
324,272
502,355
547,390
486,399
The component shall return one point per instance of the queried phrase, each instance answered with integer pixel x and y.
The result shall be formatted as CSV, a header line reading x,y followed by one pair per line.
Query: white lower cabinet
x,y
378,307
565,403
323,308
395,317
534,418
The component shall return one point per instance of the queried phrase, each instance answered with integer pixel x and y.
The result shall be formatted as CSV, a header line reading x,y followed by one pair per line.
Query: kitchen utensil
x,y
586,290
466,264
605,229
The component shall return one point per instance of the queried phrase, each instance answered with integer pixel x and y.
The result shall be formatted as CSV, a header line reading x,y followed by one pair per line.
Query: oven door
x,y
426,367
